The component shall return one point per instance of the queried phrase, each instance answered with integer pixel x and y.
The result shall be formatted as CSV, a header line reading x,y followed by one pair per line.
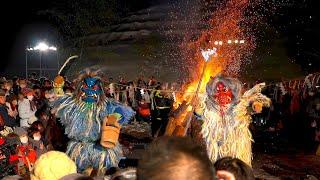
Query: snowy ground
x,y
286,166
293,164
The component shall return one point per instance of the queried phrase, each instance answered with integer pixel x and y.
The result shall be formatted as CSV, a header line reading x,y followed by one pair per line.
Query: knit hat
x,y
20,131
53,165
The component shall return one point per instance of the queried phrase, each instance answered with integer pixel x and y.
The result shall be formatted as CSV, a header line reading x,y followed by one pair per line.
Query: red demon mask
x,y
223,95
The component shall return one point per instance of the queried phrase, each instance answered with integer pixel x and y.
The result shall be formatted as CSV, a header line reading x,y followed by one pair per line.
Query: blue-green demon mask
x,y
92,89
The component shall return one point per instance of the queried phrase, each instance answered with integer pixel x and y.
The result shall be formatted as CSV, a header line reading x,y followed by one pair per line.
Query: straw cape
x,y
229,134
83,124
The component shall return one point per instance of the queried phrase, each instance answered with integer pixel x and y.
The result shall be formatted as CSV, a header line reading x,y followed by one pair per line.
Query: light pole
x,y
41,47
40,53
26,63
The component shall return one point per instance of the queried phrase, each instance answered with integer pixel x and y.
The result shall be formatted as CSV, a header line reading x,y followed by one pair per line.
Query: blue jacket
x,y
8,120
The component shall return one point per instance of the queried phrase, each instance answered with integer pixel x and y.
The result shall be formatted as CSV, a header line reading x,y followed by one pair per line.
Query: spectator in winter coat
x,y
144,112
12,107
9,90
26,109
112,88
22,85
146,96
36,142
47,84
25,156
38,98
163,103
6,118
141,83
15,86
152,82
131,95
122,91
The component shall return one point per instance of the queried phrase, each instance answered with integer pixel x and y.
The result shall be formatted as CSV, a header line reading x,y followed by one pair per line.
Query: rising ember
x,y
228,32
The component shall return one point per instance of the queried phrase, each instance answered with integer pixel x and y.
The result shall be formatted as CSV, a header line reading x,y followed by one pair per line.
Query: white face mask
x,y
36,138
30,98
24,140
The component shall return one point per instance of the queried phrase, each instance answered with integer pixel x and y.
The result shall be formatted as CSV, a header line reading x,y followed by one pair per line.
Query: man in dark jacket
x,y
163,104
6,119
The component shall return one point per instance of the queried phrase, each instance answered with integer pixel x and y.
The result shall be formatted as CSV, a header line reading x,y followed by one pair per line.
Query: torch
x,y
207,54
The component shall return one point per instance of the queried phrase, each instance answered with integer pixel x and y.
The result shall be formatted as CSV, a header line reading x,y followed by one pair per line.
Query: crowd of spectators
x,y
29,129
293,120
151,99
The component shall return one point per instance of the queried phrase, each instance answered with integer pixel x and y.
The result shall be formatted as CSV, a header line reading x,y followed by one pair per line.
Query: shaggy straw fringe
x,y
83,127
83,121
84,154
230,135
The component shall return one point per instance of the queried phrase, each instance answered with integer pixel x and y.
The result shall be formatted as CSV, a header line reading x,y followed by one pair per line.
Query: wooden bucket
x,y
110,132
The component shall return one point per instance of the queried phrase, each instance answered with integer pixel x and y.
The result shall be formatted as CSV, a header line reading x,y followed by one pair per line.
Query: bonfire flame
x,y
227,23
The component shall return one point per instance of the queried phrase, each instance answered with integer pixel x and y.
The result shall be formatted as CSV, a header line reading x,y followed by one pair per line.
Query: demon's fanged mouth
x,y
91,89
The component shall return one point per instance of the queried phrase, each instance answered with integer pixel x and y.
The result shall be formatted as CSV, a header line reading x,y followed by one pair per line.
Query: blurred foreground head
x,y
53,165
229,168
175,158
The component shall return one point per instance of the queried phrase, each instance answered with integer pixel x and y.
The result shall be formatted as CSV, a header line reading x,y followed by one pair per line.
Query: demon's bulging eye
x,y
95,87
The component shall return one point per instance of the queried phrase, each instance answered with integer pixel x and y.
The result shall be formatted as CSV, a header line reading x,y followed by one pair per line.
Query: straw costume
x,y
83,114
224,115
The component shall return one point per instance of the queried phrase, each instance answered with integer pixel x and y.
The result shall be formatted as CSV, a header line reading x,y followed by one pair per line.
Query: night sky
x,y
22,27
298,22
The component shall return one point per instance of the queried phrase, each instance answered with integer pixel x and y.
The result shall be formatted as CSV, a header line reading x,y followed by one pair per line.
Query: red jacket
x,y
144,110
25,156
